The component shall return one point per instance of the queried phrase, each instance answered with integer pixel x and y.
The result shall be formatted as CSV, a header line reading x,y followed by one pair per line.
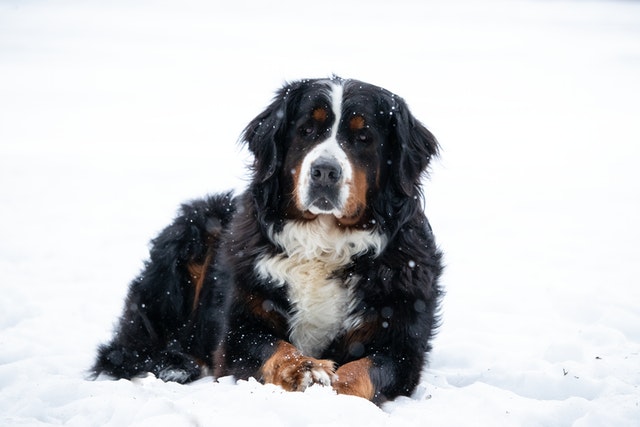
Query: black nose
x,y
325,172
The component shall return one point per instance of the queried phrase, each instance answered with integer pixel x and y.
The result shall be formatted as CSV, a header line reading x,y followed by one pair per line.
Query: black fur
x,y
232,325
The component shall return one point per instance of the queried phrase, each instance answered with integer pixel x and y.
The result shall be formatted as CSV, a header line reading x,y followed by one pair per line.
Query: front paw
x,y
288,368
175,366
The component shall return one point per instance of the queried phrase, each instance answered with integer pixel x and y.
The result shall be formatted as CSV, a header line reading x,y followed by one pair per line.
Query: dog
x,y
324,271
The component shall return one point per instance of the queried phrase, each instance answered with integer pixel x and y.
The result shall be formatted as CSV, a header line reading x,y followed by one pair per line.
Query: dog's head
x,y
333,147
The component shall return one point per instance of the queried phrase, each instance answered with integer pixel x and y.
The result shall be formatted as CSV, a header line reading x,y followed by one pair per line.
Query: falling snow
x,y
113,113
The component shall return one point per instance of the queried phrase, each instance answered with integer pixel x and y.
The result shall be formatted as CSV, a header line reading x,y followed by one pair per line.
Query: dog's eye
x,y
307,130
362,137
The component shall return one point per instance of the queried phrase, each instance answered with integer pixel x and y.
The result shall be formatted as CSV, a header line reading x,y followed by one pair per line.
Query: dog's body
x,y
324,271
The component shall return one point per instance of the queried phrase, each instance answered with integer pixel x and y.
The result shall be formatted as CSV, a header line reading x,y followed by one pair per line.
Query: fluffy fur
x,y
324,271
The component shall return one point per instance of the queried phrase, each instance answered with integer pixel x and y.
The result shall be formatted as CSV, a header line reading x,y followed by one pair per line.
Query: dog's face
x,y
335,149
333,145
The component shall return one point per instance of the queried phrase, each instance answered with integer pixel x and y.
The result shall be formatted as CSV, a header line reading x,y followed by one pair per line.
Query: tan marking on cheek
x,y
319,114
354,379
356,123
357,202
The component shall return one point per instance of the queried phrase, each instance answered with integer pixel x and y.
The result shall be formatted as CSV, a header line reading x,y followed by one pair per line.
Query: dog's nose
x,y
325,172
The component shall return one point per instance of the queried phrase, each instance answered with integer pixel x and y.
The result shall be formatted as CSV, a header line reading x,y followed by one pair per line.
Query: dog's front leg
x,y
353,378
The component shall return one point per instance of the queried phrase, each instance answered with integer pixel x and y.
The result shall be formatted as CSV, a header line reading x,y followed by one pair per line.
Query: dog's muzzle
x,y
325,179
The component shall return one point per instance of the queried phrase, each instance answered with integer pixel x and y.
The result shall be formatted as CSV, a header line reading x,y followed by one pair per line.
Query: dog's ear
x,y
415,147
264,134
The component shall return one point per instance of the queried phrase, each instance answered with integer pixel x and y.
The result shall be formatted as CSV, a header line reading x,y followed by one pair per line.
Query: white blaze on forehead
x,y
329,149
336,107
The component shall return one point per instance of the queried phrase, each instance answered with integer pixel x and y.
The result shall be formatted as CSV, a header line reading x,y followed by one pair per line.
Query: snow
x,y
112,113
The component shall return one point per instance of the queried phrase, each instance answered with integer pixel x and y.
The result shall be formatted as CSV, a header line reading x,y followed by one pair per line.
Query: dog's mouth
x,y
322,200
323,205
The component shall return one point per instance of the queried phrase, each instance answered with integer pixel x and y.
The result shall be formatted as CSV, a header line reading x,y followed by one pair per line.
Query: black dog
x,y
325,271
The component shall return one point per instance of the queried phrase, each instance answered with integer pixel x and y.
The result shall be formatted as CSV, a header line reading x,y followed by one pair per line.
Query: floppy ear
x,y
263,134
414,150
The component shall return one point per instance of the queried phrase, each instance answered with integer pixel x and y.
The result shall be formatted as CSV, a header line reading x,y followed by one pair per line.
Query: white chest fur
x,y
313,253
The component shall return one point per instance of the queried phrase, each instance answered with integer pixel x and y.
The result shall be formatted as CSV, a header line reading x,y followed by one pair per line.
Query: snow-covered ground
x,y
112,113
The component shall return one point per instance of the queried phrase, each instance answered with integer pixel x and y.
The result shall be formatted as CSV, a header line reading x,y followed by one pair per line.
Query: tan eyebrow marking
x,y
320,114
356,123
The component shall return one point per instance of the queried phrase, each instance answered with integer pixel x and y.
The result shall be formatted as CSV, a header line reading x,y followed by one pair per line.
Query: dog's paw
x,y
309,371
176,375
175,366
292,371
353,378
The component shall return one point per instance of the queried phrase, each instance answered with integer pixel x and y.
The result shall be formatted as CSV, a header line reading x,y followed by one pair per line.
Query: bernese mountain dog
x,y
324,271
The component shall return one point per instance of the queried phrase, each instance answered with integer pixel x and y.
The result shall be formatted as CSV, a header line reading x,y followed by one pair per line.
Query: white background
x,y
113,113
